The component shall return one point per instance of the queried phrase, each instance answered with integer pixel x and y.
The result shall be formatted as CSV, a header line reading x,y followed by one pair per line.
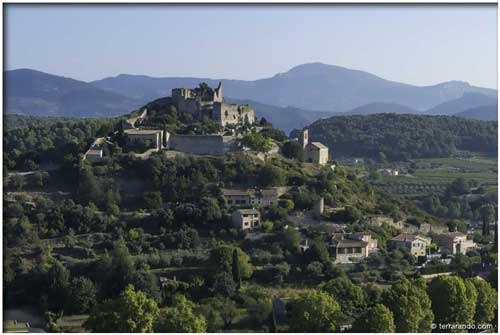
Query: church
x,y
314,152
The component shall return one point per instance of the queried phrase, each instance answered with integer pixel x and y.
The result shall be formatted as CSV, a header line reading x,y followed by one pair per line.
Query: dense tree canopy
x,y
376,319
401,137
180,318
132,312
453,300
314,311
410,305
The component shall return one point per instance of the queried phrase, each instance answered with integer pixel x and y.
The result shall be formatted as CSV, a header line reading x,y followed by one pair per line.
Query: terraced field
x,y
443,171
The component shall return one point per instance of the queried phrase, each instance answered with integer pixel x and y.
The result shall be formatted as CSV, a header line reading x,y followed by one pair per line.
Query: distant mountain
x,y
381,107
32,92
485,113
465,102
313,86
309,88
285,118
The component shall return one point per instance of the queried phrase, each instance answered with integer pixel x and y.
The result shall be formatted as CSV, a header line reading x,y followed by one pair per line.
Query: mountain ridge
x,y
37,93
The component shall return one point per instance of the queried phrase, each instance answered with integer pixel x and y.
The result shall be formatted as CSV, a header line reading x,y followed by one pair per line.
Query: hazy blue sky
x,y
416,44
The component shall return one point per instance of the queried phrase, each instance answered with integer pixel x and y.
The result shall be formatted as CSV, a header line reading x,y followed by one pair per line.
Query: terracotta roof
x,y
407,238
456,234
269,191
351,244
247,211
142,131
96,152
318,145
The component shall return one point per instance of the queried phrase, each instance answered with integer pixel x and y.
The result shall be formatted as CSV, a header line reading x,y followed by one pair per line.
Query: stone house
x,y
314,152
454,243
415,244
348,250
372,246
246,219
97,150
153,135
94,155
253,197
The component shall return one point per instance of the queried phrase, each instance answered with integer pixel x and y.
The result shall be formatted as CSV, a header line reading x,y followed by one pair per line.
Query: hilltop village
x,y
233,123
214,221
201,103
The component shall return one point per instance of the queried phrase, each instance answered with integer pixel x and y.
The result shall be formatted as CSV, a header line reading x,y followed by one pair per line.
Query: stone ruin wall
x,y
200,144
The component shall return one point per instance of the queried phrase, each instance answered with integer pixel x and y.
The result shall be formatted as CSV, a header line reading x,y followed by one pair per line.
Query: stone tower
x,y
218,97
304,138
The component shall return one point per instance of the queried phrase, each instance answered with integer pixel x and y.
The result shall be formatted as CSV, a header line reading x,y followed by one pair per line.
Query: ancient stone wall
x,y
200,144
225,114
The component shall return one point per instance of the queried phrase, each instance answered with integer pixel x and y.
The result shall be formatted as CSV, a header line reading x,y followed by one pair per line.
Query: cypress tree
x,y
236,269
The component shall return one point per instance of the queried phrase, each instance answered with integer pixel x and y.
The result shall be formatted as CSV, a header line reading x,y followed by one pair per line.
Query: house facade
x,y
415,244
253,197
347,251
153,135
454,243
372,246
246,219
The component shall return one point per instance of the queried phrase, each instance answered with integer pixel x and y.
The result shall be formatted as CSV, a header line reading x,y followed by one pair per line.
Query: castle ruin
x,y
205,101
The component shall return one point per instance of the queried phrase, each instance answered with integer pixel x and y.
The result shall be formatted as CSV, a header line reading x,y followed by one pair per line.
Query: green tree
x,y
350,297
57,285
270,175
486,301
314,312
256,142
221,260
131,312
318,251
224,284
119,271
83,295
153,200
377,319
292,150
180,318
88,187
210,209
453,300
236,269
290,239
410,305
487,213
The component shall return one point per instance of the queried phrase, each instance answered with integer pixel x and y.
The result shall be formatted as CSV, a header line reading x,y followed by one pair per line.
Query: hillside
x,y
467,101
381,107
284,118
401,137
485,113
313,86
32,92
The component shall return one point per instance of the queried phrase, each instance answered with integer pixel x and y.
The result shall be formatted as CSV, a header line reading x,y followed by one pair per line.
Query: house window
x,y
357,250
